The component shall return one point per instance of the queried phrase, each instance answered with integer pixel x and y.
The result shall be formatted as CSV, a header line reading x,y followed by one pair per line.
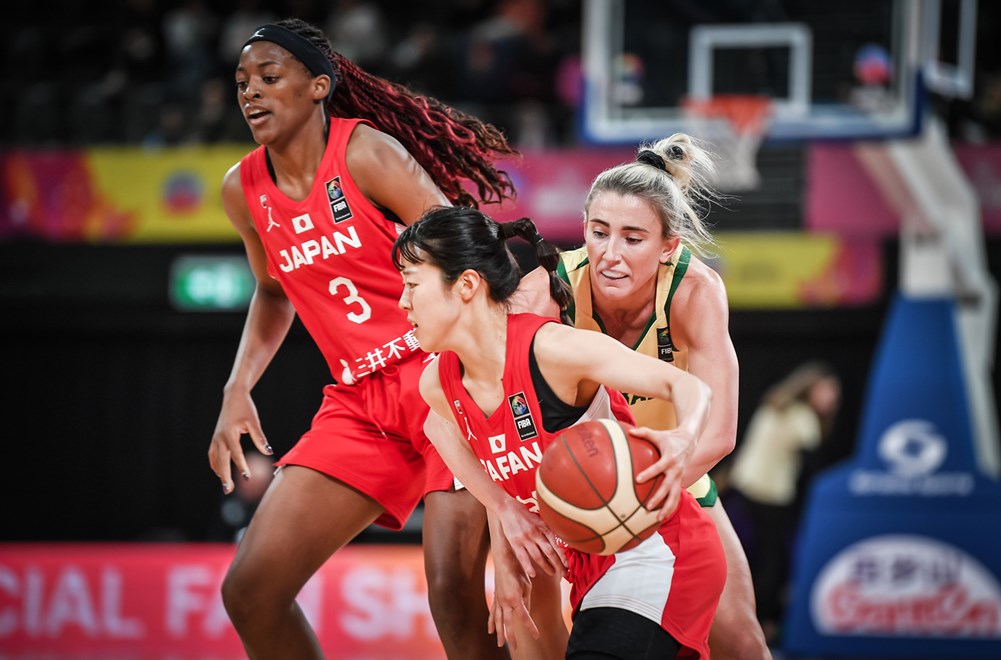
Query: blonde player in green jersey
x,y
637,280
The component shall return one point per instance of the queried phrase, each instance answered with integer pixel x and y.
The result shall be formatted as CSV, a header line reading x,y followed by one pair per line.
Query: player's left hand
x,y
676,449
512,597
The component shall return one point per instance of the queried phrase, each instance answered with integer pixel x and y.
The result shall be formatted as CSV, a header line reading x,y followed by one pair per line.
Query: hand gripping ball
x,y
587,490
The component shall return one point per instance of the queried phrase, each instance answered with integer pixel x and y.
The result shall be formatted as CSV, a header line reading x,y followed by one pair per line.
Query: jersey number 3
x,y
352,298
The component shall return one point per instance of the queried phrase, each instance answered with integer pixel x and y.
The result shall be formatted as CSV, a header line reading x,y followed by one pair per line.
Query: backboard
x,y
852,69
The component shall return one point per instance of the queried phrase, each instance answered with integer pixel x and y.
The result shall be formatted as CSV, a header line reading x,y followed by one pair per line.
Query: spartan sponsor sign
x,y
906,585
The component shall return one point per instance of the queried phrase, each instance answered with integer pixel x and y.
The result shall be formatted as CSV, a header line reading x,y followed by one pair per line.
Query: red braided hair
x,y
451,145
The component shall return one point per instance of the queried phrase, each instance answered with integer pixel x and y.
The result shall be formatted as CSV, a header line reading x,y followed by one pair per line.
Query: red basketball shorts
x,y
673,578
371,437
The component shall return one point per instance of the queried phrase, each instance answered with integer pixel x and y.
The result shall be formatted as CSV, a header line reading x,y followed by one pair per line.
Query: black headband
x,y
303,49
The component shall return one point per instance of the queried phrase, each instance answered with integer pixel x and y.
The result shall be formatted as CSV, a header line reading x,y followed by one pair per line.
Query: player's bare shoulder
x,y
701,285
234,202
368,146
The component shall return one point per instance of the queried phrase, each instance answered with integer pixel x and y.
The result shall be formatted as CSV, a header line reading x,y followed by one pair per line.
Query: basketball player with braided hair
x,y
653,601
345,161
636,280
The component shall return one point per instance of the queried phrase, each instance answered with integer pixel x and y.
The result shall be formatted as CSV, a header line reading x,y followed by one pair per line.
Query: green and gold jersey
x,y
655,340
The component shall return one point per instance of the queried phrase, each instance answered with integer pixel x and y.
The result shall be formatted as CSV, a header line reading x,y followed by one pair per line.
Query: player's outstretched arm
x,y
569,360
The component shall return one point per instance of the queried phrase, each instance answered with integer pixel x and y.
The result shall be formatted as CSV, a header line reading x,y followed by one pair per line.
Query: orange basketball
x,y
587,490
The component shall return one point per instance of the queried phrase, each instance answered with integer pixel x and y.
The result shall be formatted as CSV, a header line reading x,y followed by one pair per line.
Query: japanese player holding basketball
x,y
346,161
637,281
653,601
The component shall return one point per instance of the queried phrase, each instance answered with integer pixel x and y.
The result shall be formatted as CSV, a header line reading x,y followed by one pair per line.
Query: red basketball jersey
x,y
332,254
510,443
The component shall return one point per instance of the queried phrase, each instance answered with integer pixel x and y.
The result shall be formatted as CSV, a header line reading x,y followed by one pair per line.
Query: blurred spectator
x,y
137,50
189,33
358,32
235,26
507,67
422,59
171,128
794,417
236,509
218,119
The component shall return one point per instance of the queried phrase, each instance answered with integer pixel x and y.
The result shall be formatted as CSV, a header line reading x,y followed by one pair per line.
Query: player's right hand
x,y
237,418
531,540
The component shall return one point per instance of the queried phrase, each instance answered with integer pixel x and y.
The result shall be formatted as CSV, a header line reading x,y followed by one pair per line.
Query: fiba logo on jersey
x,y
665,349
339,208
522,416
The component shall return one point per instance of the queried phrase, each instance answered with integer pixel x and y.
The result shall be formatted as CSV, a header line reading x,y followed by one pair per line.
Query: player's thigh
x,y
304,517
736,606
456,541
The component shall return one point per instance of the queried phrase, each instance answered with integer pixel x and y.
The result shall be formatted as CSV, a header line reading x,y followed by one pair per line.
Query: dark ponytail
x,y
460,238
451,145
548,256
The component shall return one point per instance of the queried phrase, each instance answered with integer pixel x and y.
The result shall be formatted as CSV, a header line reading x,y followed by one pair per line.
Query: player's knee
x,y
452,595
234,598
243,599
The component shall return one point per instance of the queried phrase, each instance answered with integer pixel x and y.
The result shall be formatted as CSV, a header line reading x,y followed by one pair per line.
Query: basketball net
x,y
735,126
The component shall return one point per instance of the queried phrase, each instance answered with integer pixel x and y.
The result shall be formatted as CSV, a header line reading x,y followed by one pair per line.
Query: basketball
x,y
587,490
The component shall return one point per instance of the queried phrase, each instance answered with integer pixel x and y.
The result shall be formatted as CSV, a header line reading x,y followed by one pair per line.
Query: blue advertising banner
x,y
899,553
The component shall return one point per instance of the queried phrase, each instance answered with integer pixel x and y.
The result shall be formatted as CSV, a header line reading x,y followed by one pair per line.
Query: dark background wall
x,y
111,395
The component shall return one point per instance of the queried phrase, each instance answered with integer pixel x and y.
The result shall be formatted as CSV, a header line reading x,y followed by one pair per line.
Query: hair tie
x,y
520,227
530,227
301,48
648,157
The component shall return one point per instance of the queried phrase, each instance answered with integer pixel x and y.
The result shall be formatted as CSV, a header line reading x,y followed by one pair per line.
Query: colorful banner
x,y
552,186
842,198
162,601
132,195
124,195
793,269
135,195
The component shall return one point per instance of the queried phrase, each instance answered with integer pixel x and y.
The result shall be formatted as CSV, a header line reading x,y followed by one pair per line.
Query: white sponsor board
x,y
906,586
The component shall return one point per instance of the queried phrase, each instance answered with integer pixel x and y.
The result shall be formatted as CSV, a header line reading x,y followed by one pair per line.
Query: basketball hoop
x,y
735,125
